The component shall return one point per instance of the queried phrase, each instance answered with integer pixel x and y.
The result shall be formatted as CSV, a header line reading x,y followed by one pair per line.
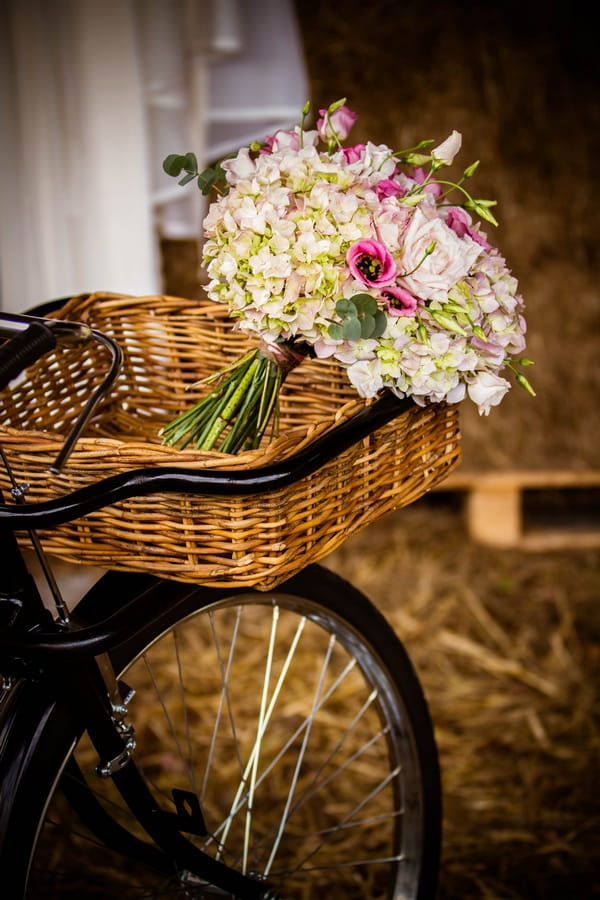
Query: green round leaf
x,y
173,164
190,163
345,309
367,326
352,330
380,323
365,303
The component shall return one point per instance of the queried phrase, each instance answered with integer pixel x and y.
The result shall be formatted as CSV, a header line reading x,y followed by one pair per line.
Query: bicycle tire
x,y
350,800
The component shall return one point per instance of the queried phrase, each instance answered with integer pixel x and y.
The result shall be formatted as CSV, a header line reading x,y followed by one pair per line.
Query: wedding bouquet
x,y
357,253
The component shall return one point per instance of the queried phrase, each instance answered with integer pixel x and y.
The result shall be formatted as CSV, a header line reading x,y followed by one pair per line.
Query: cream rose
x,y
435,257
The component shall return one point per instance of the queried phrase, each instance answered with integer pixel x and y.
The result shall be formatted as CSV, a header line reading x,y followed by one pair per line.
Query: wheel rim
x,y
284,723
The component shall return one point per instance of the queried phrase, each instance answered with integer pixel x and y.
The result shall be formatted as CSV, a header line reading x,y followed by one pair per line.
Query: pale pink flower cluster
x,y
302,227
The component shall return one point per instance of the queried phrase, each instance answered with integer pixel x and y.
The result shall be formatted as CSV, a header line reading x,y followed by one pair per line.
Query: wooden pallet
x,y
496,508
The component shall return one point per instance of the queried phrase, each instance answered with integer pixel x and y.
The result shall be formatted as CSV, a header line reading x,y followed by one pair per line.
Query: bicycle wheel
x,y
295,719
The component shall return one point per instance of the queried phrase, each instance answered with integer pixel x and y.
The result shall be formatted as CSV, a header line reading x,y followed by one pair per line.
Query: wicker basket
x,y
169,343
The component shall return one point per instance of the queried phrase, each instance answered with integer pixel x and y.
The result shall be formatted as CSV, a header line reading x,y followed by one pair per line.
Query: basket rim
x,y
295,436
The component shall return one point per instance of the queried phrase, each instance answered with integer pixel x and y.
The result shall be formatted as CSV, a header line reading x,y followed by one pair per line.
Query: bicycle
x,y
169,739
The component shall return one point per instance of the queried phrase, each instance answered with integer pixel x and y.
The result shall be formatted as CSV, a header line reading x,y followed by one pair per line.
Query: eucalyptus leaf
x,y
365,303
345,309
190,163
367,326
173,164
380,324
208,178
336,332
352,330
189,176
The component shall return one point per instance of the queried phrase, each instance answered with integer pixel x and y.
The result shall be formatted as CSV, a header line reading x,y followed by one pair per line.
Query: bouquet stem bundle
x,y
236,413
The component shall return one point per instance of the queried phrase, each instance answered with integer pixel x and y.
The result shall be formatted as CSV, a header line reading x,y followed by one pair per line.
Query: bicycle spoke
x,y
318,783
264,718
348,821
183,696
300,759
168,718
224,697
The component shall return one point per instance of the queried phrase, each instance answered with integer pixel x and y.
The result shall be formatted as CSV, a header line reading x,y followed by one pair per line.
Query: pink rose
x,y
434,258
371,263
399,301
337,125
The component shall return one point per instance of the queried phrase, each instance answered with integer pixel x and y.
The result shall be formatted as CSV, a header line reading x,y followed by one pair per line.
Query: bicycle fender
x,y
24,715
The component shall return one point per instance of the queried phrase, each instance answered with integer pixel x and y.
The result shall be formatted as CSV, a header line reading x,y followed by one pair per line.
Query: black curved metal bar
x,y
23,349
210,482
41,646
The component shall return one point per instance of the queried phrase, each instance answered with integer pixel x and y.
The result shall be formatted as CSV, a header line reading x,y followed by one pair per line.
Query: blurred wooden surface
x,y
514,509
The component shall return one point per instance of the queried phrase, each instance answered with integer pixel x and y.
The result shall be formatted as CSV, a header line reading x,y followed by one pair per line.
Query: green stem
x,y
521,379
244,425
238,411
223,419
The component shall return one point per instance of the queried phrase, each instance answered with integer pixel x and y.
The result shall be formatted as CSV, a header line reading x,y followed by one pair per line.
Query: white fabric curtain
x,y
75,211
93,95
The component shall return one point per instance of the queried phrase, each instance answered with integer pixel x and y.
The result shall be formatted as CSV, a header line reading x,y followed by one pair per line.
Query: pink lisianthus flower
x,y
460,223
398,301
432,187
486,390
387,187
353,154
371,263
282,140
337,125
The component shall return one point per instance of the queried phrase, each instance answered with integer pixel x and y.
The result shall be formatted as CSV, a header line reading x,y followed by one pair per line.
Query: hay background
x,y
506,643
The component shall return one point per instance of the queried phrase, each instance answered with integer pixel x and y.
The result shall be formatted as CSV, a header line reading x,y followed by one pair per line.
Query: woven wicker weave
x,y
169,343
